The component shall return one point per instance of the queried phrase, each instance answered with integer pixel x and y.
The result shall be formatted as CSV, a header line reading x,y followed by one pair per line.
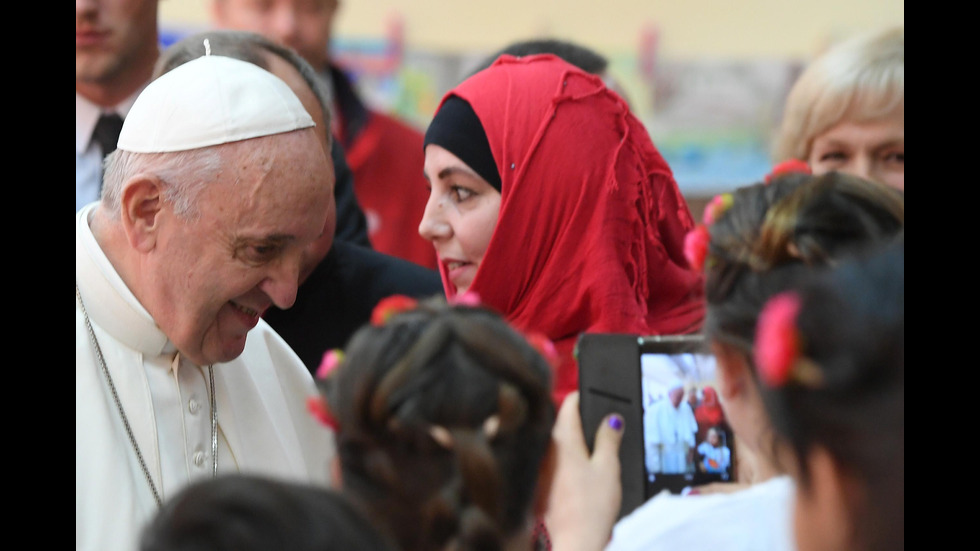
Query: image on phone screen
x,y
687,439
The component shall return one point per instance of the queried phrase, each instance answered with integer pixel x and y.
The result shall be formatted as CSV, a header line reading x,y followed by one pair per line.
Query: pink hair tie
x,y
716,207
331,360
469,298
778,344
696,247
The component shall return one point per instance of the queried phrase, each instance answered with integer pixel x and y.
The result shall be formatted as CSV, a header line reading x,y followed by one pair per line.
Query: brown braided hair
x,y
445,417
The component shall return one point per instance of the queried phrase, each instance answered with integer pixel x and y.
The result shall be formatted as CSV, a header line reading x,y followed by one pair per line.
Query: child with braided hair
x,y
444,418
758,241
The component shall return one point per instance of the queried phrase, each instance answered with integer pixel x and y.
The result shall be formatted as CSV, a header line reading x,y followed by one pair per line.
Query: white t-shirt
x,y
758,518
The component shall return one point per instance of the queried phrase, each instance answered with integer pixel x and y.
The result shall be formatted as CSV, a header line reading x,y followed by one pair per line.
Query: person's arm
x,y
586,492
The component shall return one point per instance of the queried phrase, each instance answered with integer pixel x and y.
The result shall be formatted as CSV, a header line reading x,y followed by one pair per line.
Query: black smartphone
x,y
665,387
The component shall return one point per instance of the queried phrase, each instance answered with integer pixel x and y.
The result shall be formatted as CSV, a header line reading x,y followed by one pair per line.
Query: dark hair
x,y
774,233
584,58
445,417
239,512
851,325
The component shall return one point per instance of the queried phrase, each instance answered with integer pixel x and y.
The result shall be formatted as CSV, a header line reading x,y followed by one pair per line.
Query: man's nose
x,y
283,282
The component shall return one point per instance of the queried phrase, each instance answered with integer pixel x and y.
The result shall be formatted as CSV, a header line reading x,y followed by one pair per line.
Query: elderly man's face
x,y
676,395
215,275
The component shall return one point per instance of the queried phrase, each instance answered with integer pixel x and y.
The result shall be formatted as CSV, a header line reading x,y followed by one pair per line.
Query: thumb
x,y
608,438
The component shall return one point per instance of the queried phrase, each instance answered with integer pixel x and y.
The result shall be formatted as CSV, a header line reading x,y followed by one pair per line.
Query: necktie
x,y
106,132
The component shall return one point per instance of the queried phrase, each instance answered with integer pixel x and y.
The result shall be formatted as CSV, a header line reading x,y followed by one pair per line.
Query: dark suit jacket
x,y
338,297
351,222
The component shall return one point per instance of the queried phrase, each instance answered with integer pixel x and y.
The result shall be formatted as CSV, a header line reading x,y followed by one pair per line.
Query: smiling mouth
x,y
456,264
246,310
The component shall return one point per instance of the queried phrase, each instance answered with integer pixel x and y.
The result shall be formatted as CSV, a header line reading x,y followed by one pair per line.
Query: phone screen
x,y
687,439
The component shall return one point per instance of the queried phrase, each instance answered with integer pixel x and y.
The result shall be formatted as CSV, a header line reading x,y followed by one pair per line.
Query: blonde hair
x,y
861,79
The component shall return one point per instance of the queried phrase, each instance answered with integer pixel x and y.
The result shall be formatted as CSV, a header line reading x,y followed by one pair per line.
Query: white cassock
x,y
264,426
669,434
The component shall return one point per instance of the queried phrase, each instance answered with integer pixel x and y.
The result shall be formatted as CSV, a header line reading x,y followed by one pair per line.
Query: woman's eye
x,y
833,156
461,193
895,157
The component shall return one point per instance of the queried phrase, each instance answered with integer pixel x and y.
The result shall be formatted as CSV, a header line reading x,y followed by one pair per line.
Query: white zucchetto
x,y
208,101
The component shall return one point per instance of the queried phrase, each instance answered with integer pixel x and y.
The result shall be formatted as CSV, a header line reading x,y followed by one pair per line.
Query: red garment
x,y
386,158
591,227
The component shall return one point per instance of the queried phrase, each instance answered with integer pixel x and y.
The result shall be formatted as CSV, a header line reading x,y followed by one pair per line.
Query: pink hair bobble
x,y
716,207
331,360
696,247
317,405
469,298
778,344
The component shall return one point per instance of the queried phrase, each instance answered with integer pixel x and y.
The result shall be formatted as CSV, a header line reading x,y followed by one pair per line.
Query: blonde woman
x,y
846,112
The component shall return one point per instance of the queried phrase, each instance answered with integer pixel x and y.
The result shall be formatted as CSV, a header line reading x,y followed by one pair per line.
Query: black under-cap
x,y
456,128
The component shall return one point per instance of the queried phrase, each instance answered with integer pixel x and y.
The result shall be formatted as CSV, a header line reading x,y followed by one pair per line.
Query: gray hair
x,y
183,173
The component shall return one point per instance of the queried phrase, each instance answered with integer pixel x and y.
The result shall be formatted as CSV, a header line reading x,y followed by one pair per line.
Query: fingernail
x,y
616,422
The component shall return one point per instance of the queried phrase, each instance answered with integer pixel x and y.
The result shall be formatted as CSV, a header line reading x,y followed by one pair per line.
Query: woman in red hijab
x,y
551,204
709,414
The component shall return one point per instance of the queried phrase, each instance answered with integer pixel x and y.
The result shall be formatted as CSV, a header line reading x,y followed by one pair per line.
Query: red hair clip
x,y
318,408
788,166
390,306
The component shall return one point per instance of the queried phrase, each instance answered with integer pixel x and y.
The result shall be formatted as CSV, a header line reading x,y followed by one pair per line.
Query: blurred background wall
x,y
707,77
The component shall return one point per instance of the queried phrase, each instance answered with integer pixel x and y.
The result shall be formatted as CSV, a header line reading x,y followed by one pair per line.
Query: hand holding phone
x,y
676,435
585,492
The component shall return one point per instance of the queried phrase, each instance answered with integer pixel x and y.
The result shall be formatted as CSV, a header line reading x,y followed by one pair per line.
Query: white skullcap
x,y
208,101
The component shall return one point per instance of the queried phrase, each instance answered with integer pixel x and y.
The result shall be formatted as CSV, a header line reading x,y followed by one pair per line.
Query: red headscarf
x,y
590,234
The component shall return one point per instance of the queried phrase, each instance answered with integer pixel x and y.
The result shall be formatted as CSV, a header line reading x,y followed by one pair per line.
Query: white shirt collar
x,y
109,302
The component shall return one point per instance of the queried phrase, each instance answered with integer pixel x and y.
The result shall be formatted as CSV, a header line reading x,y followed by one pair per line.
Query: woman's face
x,y
874,150
460,215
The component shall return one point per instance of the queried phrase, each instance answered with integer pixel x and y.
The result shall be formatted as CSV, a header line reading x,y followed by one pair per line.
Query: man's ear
x,y
141,205
734,371
546,475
